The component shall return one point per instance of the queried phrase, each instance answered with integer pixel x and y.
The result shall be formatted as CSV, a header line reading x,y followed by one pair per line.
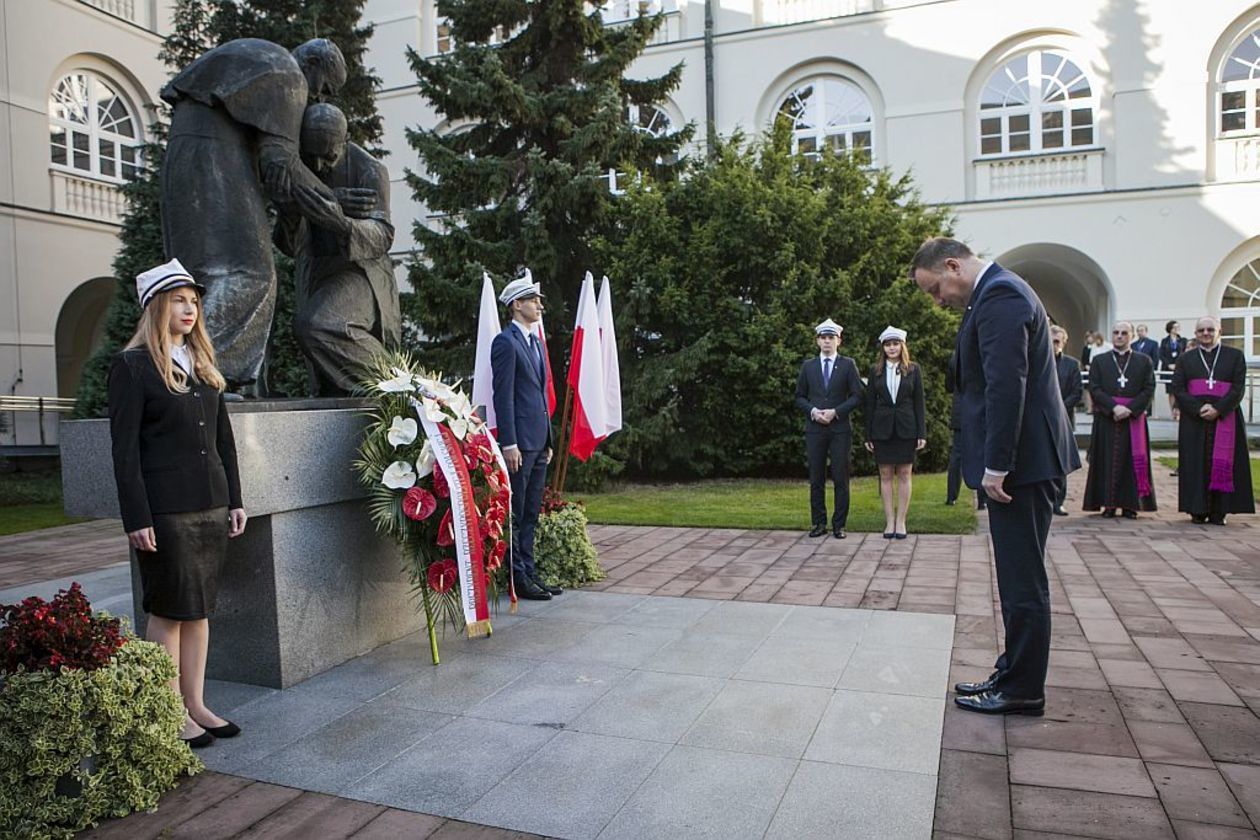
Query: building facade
x,y
1107,150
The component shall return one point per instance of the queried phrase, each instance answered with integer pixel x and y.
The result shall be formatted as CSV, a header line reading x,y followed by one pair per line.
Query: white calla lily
x,y
460,405
403,381
424,464
402,431
459,427
399,476
433,411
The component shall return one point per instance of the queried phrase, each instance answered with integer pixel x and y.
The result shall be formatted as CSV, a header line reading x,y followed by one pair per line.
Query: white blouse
x,y
892,377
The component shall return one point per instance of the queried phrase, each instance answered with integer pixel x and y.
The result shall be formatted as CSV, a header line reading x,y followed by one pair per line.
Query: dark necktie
x,y
826,373
538,360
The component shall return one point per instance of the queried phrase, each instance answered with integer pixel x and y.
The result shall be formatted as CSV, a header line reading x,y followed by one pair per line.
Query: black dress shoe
x,y
839,533
531,591
997,703
1060,511
966,689
818,530
1129,514
205,739
1109,513
1198,520
951,502
981,504
546,587
1216,520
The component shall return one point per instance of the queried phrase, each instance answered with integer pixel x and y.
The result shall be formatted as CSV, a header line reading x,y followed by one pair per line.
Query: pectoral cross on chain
x,y
1211,382
1124,380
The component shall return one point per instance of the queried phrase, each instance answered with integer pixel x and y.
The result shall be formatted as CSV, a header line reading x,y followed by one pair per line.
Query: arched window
x,y
91,128
830,112
1239,87
649,119
1240,310
1037,102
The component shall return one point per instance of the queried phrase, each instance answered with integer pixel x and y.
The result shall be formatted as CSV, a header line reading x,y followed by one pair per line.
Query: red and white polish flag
x,y
612,367
487,328
586,377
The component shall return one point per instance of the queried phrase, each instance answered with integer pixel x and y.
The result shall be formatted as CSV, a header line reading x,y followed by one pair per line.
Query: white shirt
x,y
527,332
892,378
179,353
822,359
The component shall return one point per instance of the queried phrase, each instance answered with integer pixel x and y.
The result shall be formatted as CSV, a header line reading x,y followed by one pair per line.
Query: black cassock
x,y
1197,437
1112,481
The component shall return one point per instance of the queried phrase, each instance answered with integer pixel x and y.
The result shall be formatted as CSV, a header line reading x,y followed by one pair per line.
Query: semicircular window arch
x,y
1238,87
1037,102
93,129
1240,310
830,112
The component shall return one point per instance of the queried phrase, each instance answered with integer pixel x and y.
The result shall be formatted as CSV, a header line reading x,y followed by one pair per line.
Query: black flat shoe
x,y
818,530
996,703
531,591
227,730
888,535
1198,520
1129,514
205,739
966,689
839,534
548,588
951,502
1109,513
899,536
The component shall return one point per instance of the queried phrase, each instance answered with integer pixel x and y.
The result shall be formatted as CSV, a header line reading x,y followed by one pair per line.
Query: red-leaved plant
x,y
40,635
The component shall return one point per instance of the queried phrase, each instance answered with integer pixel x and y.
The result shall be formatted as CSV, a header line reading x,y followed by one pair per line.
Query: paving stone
x,y
1201,831
650,706
447,772
740,619
1171,653
598,609
549,693
794,661
1228,733
761,718
853,803
666,612
886,731
1220,649
971,732
235,814
1090,738
189,798
1103,815
1127,673
459,682
455,830
622,645
704,794
1151,704
1171,743
1197,794
703,654
571,787
909,630
393,824
1080,771
973,795
1198,687
313,813
268,726
1244,782
837,625
923,672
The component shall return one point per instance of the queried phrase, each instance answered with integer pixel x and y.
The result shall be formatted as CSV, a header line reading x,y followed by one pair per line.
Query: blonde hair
x,y
903,364
153,332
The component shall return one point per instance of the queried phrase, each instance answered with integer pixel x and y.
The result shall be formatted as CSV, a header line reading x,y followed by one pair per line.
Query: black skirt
x,y
894,451
180,580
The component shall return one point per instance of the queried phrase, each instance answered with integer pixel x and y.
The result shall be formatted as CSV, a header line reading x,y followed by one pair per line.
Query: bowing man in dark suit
x,y
520,405
827,390
1071,388
1016,445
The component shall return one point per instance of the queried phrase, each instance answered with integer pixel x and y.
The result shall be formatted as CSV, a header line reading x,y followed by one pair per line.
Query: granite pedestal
x,y
309,584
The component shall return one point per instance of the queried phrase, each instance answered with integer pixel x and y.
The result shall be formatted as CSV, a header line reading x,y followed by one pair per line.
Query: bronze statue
x,y
233,144
347,298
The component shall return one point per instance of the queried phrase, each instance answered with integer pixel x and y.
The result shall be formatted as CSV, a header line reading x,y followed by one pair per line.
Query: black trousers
x,y
1060,492
1019,530
527,495
953,476
819,446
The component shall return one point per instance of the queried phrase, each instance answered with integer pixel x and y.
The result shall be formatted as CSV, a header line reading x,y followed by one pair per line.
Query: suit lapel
x,y
523,347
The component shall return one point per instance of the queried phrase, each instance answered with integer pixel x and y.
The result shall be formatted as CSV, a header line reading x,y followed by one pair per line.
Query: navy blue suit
x,y
843,392
520,407
1013,420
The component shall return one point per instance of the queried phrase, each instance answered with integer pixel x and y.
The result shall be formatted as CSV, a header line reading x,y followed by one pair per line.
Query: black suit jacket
x,y
1012,410
843,393
173,453
906,419
1070,387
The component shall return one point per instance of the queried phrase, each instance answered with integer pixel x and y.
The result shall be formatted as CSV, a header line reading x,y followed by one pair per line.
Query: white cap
x,y
828,327
890,332
165,277
522,287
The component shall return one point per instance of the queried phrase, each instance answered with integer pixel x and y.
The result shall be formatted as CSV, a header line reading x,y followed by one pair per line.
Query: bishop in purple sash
x,y
1121,386
1214,472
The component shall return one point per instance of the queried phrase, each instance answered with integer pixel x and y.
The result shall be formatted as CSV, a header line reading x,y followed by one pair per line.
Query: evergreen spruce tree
x,y
539,119
196,26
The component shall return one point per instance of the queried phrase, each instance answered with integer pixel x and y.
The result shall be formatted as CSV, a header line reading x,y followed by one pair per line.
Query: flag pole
x,y
562,451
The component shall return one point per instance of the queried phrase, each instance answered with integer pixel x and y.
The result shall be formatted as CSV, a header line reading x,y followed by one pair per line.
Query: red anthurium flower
x,y
442,575
496,556
419,504
446,529
440,487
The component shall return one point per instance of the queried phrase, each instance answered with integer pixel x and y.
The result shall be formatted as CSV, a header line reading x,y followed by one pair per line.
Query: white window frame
x,y
94,86
1038,71
821,130
1248,314
1249,87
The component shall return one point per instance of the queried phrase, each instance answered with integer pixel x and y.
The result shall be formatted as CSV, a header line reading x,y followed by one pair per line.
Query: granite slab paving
x,y
565,723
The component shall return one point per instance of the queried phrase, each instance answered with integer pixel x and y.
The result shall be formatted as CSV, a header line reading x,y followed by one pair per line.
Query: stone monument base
x,y
310,583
